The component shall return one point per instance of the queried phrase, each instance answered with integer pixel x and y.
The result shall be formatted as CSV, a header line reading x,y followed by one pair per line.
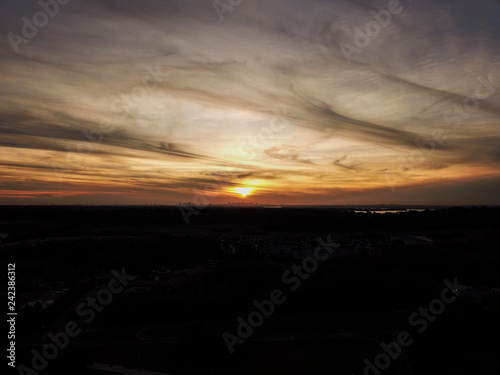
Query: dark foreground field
x,y
137,290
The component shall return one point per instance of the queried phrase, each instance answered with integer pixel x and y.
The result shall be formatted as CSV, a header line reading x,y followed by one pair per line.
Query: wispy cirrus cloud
x,y
349,124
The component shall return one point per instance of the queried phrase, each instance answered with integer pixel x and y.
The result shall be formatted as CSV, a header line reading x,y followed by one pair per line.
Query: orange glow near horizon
x,y
249,110
243,191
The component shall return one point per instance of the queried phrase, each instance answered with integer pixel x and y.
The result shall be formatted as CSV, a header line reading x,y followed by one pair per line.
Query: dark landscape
x,y
191,282
250,187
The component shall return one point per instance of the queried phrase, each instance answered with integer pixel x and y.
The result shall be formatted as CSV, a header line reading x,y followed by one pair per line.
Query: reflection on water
x,y
383,211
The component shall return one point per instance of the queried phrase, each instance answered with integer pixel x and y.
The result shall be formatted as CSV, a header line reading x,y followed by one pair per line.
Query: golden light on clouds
x,y
243,191
265,100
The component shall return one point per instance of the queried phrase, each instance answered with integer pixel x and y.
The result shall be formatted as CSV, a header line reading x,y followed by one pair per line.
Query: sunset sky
x,y
271,101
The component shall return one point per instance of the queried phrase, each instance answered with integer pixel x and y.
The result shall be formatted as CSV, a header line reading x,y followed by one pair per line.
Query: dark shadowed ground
x,y
189,284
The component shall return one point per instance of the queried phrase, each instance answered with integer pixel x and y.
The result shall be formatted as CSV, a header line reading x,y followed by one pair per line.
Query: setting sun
x,y
243,191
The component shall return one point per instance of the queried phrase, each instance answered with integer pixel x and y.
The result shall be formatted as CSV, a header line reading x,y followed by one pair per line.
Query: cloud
x,y
272,75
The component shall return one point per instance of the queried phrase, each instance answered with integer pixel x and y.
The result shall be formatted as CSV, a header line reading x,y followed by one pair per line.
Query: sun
x,y
243,191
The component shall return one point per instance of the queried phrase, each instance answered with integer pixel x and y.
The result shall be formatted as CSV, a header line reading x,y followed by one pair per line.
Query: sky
x,y
269,101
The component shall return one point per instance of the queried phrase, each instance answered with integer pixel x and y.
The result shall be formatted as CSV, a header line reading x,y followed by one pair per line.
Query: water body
x,y
382,211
